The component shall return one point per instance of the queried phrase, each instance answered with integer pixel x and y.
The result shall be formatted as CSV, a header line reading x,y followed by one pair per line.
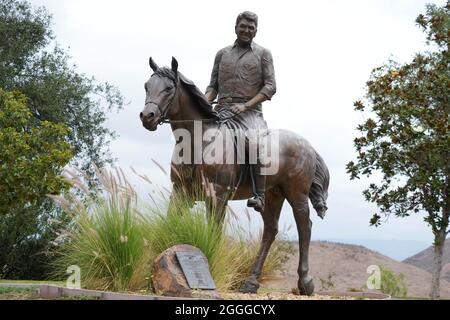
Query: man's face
x,y
245,31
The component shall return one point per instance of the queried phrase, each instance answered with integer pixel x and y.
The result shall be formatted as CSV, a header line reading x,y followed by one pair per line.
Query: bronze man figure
x,y
243,77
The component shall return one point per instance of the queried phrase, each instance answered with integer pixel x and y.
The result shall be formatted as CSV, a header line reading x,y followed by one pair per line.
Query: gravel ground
x,y
278,296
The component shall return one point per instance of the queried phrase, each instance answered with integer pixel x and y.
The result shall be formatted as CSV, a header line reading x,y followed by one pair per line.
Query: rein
x,y
165,119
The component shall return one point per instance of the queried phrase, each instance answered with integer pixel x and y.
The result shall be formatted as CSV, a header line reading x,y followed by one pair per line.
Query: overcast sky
x,y
323,53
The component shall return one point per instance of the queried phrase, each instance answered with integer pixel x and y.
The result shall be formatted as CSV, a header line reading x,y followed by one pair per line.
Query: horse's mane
x,y
190,86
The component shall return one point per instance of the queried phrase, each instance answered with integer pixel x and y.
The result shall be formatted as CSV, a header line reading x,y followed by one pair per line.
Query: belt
x,y
228,100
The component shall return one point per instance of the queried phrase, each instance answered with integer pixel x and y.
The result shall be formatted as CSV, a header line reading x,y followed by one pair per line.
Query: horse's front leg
x,y
216,206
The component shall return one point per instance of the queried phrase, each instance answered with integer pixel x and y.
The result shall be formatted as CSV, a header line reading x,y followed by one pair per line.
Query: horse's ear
x,y
174,65
153,65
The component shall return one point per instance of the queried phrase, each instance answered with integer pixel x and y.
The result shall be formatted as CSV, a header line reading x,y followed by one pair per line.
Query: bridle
x,y
164,118
164,112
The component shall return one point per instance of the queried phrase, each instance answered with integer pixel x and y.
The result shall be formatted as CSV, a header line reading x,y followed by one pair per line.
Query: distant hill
x,y
424,260
345,266
393,248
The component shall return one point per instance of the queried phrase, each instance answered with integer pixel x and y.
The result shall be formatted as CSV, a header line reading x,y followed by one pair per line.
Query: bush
x,y
115,240
107,240
393,284
26,240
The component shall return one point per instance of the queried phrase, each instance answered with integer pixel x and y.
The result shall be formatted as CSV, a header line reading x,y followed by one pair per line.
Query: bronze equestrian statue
x,y
302,174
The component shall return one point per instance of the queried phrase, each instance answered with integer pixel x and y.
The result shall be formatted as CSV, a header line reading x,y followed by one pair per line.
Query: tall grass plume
x,y
115,236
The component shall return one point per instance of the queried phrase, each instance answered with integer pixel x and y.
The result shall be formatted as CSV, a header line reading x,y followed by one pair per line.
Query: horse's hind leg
x,y
272,209
300,207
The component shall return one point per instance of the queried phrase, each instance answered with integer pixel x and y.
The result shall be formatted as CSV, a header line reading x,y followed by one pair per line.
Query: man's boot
x,y
258,187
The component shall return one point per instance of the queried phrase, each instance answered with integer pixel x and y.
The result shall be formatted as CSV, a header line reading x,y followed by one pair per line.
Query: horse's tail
x,y
319,189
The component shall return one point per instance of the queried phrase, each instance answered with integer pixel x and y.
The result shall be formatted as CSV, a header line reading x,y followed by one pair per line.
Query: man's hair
x,y
250,16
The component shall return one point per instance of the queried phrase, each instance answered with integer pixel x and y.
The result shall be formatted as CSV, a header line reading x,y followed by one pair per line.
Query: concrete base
x,y
54,292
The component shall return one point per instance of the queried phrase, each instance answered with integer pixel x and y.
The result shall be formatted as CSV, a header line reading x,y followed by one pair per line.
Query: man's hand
x,y
211,95
238,108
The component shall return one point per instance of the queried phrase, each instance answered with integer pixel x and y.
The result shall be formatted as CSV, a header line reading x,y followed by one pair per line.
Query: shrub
x,y
26,238
393,284
115,239
107,240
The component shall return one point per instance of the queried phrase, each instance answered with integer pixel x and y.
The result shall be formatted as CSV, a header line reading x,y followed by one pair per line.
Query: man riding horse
x,y
243,77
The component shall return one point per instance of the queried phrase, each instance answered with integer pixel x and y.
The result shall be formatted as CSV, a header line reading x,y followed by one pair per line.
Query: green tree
x,y
31,160
31,157
56,93
26,238
406,136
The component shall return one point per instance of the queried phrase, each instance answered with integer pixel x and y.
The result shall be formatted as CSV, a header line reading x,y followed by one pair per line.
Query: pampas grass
x,y
116,236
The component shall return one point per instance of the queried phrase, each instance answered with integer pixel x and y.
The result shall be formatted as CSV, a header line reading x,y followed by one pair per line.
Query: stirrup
x,y
257,203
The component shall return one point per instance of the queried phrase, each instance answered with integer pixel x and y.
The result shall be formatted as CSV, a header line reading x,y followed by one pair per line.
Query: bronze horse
x,y
302,173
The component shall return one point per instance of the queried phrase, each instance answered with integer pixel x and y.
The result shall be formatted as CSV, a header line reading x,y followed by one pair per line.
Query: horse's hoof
x,y
249,286
306,286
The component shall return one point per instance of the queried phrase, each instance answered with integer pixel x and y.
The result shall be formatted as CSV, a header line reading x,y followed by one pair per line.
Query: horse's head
x,y
161,90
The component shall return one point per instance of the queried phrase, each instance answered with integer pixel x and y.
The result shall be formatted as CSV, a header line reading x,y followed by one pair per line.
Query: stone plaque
x,y
196,270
